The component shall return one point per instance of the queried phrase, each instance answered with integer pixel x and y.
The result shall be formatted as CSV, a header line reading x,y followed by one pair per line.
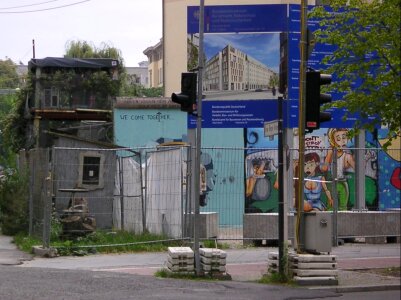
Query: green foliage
x,y
80,49
164,273
14,203
367,39
214,244
8,74
151,92
13,124
193,55
274,81
133,90
56,228
70,81
25,243
8,80
84,49
106,242
275,278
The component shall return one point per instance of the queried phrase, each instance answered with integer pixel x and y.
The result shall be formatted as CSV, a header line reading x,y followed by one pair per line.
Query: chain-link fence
x,y
149,190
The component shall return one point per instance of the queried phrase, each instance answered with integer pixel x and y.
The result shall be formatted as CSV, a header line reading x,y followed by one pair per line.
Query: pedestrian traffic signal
x,y
314,99
187,97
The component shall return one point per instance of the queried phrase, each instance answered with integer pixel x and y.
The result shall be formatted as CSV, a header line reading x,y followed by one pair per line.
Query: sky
x,y
128,25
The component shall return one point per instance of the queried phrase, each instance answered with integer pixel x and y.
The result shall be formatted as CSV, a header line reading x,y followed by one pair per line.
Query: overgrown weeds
x,y
102,242
13,203
164,273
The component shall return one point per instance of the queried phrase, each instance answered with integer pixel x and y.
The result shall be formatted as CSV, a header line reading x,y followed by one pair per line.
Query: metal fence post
x,y
142,195
334,194
121,177
47,196
31,168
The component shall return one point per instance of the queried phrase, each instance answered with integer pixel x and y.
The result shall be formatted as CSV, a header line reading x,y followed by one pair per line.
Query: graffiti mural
x,y
338,139
315,184
328,140
390,173
382,171
261,163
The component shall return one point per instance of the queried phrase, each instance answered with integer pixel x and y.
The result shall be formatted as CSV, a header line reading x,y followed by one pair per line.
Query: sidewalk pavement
x,y
9,254
248,264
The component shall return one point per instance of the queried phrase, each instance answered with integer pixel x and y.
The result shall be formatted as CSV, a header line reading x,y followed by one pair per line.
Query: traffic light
x,y
187,97
314,99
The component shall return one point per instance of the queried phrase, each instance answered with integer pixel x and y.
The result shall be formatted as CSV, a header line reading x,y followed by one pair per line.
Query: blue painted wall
x,y
145,127
149,127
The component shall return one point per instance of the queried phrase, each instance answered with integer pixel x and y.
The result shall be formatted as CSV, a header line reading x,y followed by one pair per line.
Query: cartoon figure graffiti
x,y
314,184
260,172
338,138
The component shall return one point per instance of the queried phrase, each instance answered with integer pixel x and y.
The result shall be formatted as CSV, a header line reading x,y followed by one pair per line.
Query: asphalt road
x,y
126,276
38,283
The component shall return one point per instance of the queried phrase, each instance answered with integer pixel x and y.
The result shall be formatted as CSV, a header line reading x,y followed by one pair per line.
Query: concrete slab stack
x,y
311,269
213,261
272,266
180,260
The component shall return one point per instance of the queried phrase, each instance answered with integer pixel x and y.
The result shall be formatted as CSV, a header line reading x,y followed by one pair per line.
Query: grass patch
x,y
164,273
102,242
276,278
391,271
213,244
25,243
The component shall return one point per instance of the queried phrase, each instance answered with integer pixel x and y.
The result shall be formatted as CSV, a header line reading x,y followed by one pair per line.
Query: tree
x,y
367,39
8,80
273,80
83,49
8,74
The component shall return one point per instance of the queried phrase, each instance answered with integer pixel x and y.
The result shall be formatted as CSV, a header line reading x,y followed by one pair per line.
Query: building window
x,y
51,97
91,170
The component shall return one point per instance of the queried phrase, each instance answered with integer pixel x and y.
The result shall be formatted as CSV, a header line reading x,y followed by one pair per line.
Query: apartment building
x,y
232,70
138,75
155,67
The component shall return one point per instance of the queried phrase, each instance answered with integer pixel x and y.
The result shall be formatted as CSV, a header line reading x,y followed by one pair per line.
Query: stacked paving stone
x,y
314,269
272,262
180,260
213,261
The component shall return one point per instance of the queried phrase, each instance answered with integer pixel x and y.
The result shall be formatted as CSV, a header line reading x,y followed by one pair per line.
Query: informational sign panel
x,y
239,18
236,114
232,48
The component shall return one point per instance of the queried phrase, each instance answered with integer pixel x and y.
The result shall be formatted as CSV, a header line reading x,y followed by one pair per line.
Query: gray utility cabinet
x,y
318,231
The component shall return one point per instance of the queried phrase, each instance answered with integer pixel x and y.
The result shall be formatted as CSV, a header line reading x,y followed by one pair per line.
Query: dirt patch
x,y
393,271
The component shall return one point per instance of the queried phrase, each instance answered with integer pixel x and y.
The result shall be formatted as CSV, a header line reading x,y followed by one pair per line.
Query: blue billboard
x,y
237,36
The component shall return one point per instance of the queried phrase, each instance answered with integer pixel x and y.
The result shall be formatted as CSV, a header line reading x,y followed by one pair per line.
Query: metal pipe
x,y
196,184
300,229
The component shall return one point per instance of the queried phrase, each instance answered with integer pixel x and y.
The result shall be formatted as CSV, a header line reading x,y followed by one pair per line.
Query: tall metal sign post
x,y
196,184
300,224
281,227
